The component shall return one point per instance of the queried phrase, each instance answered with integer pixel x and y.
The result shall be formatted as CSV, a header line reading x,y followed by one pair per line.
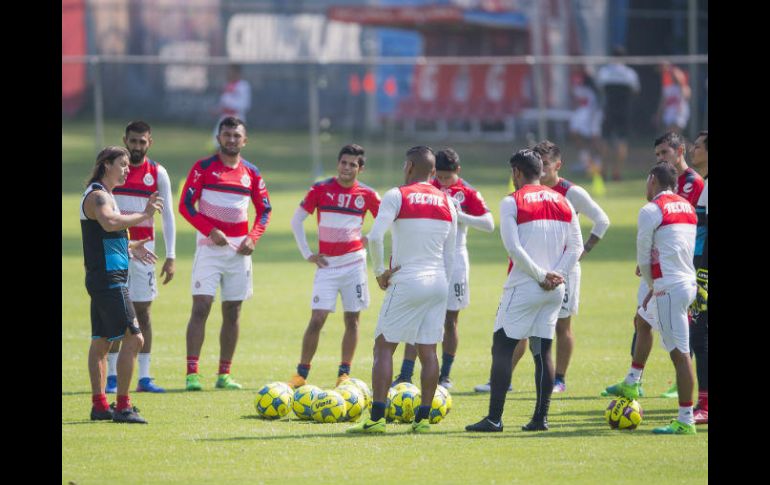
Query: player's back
x,y
543,218
673,242
420,231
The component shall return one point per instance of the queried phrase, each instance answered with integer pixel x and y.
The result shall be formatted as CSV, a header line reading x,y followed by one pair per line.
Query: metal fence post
x,y
98,103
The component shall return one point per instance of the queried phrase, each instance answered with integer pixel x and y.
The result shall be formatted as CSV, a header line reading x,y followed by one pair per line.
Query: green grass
x,y
214,436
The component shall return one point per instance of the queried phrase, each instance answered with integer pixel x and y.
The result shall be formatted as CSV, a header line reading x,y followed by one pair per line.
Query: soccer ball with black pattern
x,y
438,407
274,400
365,391
354,401
404,404
447,397
329,407
623,413
303,400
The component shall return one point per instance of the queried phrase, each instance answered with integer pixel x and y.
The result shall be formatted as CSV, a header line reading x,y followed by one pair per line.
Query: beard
x,y
136,156
230,152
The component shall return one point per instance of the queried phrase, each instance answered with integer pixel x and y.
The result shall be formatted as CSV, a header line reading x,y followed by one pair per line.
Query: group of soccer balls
x,y
346,402
623,413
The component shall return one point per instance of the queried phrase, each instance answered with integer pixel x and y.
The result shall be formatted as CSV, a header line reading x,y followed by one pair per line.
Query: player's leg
x,y
111,385
449,347
146,382
518,353
354,293
699,343
630,386
429,377
382,373
196,332
309,346
544,376
349,343
407,365
132,343
97,352
565,342
501,372
228,340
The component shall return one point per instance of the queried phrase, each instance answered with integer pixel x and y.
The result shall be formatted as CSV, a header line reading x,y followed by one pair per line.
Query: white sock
x,y
144,365
685,415
112,364
634,375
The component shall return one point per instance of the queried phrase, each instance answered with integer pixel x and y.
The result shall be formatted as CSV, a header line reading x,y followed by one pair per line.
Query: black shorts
x,y
616,126
112,313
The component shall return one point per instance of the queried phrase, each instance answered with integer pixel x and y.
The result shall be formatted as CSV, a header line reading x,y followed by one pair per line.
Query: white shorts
x,y
569,304
649,315
142,286
529,311
586,122
413,310
459,291
216,266
349,281
672,322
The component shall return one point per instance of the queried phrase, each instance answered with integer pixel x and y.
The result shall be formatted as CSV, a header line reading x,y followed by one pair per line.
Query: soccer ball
x,y
447,397
438,407
303,399
364,388
388,400
405,386
623,413
354,401
273,400
328,407
404,404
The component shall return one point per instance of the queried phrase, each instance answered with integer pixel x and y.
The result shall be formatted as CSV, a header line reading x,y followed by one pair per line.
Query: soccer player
x,y
145,177
541,234
472,211
674,107
699,331
342,203
423,224
585,124
106,251
235,100
669,147
222,186
618,84
665,246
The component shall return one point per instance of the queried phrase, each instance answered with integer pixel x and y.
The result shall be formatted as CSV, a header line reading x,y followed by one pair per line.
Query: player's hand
x,y
638,272
581,255
218,237
318,260
154,203
169,268
142,253
246,247
384,279
551,281
646,300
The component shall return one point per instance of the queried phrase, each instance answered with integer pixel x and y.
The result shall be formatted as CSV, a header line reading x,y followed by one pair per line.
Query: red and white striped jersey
x,y
471,203
665,241
541,233
222,195
142,181
424,228
340,213
690,185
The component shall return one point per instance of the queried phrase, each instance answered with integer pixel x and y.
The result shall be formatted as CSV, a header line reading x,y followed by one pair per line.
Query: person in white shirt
x,y
235,99
541,234
665,245
423,226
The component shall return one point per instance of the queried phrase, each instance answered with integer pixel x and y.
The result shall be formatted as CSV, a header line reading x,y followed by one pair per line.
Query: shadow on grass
x,y
389,434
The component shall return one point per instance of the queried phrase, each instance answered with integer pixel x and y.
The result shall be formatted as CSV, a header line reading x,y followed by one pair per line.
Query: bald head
x,y
422,161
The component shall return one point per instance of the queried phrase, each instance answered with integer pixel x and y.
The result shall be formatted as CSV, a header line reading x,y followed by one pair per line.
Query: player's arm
x,y
509,231
388,210
261,200
583,203
169,225
478,215
98,206
298,229
649,219
450,246
191,193
573,249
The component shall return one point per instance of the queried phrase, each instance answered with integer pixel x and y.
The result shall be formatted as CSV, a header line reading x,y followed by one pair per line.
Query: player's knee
x,y
351,321
316,324
200,311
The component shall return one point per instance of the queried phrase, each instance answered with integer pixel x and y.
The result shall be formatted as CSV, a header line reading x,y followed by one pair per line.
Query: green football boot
x,y
193,382
631,391
604,393
672,393
224,381
368,426
422,426
676,427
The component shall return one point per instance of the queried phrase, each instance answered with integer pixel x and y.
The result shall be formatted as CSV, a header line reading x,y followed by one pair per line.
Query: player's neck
x,y
229,160
681,166
345,185
108,186
137,164
551,183
418,179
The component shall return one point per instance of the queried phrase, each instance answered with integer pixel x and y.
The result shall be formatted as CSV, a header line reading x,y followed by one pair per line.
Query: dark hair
x,y
107,155
705,135
423,159
231,122
548,148
672,139
665,174
353,149
138,127
529,162
447,159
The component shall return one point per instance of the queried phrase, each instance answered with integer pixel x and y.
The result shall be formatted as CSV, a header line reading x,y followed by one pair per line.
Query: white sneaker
x,y
486,388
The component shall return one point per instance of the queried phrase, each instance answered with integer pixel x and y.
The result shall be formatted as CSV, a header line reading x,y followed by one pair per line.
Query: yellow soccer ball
x,y
328,407
404,404
274,400
354,400
623,413
303,399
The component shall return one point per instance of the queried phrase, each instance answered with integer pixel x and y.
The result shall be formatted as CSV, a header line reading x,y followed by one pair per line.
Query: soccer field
x,y
214,436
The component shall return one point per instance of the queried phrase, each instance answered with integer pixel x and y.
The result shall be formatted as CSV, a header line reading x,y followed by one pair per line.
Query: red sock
x,y
703,400
224,366
100,402
192,364
123,403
